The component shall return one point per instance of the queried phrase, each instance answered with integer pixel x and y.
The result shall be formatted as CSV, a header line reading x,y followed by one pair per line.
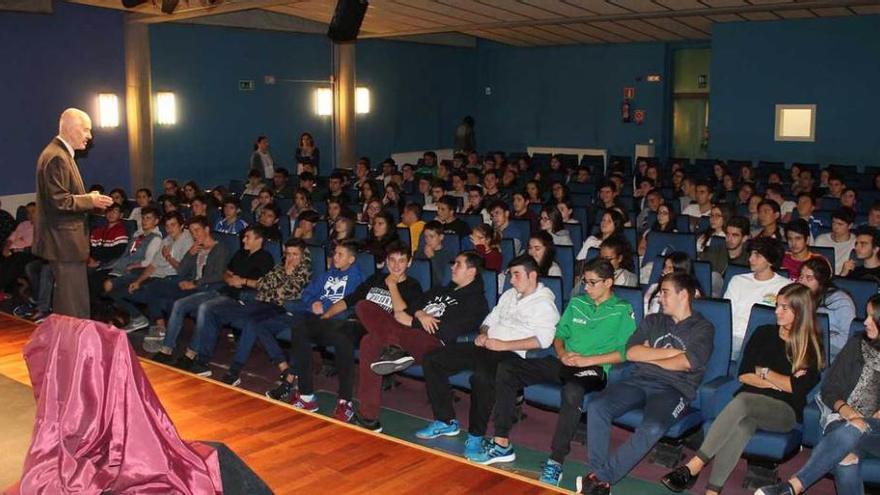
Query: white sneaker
x,y
136,324
156,333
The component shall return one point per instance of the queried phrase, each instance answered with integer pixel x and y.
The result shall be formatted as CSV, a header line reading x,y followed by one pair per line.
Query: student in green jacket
x,y
590,337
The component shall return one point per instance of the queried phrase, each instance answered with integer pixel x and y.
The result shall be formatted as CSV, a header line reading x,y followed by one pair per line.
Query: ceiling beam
x,y
624,17
222,8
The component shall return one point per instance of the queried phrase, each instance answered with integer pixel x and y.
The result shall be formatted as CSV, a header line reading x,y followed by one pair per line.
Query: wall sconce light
x,y
362,100
166,108
108,110
324,101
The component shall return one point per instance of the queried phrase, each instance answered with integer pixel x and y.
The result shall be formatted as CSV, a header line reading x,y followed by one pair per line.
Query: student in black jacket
x,y
394,342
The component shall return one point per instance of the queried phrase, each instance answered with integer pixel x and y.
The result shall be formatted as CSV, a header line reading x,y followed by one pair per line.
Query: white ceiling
x,y
530,22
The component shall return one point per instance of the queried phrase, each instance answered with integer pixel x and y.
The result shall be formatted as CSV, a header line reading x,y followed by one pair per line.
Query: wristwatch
x,y
764,372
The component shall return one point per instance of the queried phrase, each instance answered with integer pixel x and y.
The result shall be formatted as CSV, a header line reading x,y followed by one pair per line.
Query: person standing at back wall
x,y
61,234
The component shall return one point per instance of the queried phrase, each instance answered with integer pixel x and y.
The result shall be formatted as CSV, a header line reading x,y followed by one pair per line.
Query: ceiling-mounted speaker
x,y
168,6
130,4
347,20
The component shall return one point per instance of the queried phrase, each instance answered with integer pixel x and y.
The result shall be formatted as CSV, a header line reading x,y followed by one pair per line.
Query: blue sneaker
x,y
492,453
473,445
439,429
551,473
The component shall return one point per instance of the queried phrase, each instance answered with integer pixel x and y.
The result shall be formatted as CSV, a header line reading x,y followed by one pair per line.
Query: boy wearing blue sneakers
x,y
590,337
524,319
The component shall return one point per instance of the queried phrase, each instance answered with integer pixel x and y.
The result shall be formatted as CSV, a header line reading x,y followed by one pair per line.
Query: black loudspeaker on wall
x,y
347,19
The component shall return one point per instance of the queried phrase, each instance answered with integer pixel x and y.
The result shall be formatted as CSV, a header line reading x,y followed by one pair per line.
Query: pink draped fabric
x,y
99,426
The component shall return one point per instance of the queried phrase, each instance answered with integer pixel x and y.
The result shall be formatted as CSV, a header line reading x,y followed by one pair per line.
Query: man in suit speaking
x,y
61,234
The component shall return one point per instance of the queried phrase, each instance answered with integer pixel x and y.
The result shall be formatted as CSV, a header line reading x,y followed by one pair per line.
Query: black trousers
x,y
342,335
516,375
448,360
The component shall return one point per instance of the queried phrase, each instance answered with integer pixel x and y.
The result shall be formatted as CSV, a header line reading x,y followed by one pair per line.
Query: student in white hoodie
x,y
758,287
525,318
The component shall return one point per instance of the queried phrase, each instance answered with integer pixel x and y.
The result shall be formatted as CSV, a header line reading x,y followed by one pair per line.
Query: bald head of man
x,y
75,127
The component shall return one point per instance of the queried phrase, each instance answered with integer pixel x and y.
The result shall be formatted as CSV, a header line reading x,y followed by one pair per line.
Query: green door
x,y
690,102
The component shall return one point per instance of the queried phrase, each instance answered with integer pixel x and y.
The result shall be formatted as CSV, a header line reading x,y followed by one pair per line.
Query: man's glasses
x,y
593,282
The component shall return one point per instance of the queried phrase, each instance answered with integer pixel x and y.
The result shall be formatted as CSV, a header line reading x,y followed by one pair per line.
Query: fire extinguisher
x,y
624,110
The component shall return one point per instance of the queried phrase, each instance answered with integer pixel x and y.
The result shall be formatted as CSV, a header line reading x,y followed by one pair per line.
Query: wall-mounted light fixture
x,y
166,108
108,110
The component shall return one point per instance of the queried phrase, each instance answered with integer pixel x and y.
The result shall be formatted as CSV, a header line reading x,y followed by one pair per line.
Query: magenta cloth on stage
x,y
99,425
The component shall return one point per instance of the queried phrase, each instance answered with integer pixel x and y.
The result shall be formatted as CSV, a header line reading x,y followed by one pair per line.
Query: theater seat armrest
x,y
716,394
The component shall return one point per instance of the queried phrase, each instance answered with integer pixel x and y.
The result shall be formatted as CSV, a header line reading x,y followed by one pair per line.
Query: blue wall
x,y
570,96
415,104
49,63
834,63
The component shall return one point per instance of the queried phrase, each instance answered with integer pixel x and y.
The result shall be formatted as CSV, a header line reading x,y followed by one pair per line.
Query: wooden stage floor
x,y
292,450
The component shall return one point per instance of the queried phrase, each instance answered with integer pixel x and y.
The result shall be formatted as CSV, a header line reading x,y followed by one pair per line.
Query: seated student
x,y
473,205
280,186
254,183
305,226
733,252
866,265
837,304
675,261
392,291
199,207
653,201
665,222
611,223
500,214
874,215
266,197
274,290
199,272
433,250
491,190
107,242
437,191
758,287
132,287
617,250
718,218
268,220
668,352
143,198
230,223
16,250
394,342
411,219
780,365
840,238
850,415
335,189
446,217
773,192
589,338
797,232
521,211
703,205
382,234
487,243
806,205
139,253
769,216
541,249
566,209
551,222
525,318
247,265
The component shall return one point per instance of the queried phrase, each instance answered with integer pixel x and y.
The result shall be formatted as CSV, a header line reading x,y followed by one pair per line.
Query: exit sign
x,y
653,78
246,85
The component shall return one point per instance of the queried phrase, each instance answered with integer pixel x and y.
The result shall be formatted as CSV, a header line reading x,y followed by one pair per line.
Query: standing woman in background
x,y
307,152
261,160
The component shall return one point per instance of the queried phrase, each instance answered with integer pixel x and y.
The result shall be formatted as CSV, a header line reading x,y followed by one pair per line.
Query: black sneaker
x,y
392,360
373,425
231,378
200,369
183,363
282,393
161,357
679,479
591,485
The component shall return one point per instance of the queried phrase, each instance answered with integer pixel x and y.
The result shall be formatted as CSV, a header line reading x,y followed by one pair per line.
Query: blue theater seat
x,y
660,243
860,290
367,263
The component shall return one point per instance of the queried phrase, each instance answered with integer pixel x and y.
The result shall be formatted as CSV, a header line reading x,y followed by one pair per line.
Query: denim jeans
x,y
123,299
42,282
267,331
661,405
216,313
182,307
840,439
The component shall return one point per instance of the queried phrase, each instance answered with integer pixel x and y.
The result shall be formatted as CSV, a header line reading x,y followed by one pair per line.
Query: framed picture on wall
x,y
795,123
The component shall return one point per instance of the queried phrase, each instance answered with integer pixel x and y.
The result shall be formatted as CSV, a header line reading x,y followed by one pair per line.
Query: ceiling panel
x,y
866,9
600,7
768,2
639,5
599,34
407,10
549,36
490,13
681,4
495,36
559,7
760,16
622,30
432,6
529,11
575,34
651,30
725,18
794,14
725,3
674,26
697,22
525,35
832,12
